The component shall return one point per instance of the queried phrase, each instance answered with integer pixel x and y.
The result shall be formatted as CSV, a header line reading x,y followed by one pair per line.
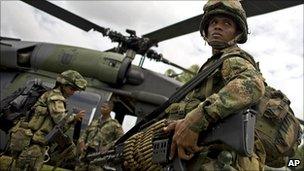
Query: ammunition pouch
x,y
37,120
20,137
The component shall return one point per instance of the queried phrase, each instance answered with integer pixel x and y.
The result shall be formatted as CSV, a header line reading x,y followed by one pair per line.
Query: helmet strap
x,y
235,40
222,45
218,45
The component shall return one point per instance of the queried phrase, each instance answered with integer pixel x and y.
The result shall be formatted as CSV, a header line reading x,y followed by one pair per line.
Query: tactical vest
x,y
42,123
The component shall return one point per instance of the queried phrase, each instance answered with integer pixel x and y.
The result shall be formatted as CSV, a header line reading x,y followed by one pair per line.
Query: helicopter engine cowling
x,y
105,66
108,67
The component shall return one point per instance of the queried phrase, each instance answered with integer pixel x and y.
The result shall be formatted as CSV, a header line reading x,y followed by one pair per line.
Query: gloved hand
x,y
79,115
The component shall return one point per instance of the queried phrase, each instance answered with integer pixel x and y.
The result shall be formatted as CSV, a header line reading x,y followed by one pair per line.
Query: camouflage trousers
x,y
31,158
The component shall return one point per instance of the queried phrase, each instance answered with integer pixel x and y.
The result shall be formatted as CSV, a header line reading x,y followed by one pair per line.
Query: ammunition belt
x,y
138,149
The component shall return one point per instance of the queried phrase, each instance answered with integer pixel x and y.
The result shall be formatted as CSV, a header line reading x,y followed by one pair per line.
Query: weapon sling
x,y
158,113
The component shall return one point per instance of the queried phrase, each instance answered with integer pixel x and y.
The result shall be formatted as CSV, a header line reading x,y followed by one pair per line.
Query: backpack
x,y
19,104
277,127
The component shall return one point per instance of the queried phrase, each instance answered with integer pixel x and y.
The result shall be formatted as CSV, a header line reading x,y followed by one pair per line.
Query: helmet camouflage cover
x,y
72,78
232,8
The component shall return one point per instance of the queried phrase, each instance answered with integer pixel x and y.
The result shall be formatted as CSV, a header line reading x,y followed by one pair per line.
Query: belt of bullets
x,y
138,149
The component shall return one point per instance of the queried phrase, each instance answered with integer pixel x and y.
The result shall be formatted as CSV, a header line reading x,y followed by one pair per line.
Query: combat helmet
x,y
232,8
72,78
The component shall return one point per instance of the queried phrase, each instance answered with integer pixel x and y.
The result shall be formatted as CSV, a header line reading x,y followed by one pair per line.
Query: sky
x,y
275,39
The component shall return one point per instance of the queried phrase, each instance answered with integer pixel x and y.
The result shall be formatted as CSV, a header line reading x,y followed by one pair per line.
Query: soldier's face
x,y
221,29
69,90
105,109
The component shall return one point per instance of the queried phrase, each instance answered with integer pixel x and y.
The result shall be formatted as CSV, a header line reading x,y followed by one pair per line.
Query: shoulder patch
x,y
57,97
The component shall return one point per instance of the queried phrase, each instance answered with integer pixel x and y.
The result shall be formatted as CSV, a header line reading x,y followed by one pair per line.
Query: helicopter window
x,y
91,115
87,101
113,114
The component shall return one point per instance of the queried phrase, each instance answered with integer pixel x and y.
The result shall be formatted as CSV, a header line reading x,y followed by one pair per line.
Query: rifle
x,y
56,135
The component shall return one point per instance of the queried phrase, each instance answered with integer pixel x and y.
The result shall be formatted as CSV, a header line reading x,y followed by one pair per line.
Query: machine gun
x,y
236,131
242,121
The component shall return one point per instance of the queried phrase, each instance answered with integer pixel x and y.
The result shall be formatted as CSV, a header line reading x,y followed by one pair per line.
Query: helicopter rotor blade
x,y
187,26
191,25
65,15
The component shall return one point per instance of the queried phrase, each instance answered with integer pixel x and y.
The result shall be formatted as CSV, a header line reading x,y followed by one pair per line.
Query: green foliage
x,y
184,76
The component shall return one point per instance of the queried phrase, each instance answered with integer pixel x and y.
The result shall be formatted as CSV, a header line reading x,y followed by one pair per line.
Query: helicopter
x,y
111,75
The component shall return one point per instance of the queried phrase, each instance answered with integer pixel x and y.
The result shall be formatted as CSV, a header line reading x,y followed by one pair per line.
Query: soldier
x,y
50,109
100,135
236,85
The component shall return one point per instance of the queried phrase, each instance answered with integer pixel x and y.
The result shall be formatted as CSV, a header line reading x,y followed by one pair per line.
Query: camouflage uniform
x,y
236,85
99,136
50,109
